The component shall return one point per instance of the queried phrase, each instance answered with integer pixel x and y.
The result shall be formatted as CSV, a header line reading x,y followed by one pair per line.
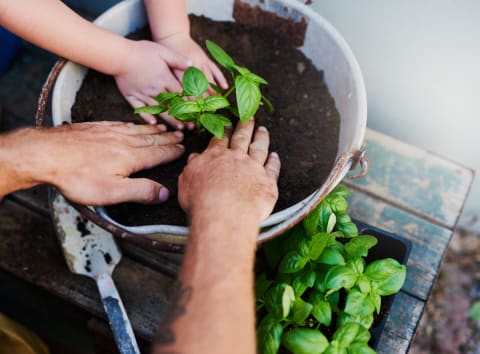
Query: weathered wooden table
x,y
408,191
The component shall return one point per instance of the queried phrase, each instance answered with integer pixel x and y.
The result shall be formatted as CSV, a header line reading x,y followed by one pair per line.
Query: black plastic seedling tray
x,y
389,246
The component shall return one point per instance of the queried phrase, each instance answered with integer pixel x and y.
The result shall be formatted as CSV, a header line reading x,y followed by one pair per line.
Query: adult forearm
x,y
214,306
167,18
53,26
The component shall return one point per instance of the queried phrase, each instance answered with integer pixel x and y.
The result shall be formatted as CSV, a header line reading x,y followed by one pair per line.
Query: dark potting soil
x,y
304,127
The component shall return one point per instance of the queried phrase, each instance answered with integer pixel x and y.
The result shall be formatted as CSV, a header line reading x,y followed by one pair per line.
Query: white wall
x,y
421,63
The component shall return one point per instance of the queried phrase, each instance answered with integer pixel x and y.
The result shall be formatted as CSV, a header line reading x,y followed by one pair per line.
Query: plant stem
x,y
230,90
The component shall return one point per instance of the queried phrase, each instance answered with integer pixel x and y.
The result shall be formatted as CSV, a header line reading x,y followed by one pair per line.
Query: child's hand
x,y
184,45
148,71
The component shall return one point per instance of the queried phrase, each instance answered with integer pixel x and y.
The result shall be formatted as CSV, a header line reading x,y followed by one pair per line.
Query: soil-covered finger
x,y
258,149
242,136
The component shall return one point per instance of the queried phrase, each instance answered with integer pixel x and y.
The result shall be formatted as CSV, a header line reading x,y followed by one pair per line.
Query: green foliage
x,y
191,105
474,312
315,277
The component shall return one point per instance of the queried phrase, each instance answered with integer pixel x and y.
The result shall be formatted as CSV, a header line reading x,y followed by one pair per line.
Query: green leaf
x,y
359,246
279,300
151,109
324,217
340,190
343,218
357,264
363,284
332,220
322,310
350,332
269,335
261,285
301,310
377,302
339,204
318,243
272,252
166,97
292,262
194,82
474,312
387,276
257,79
310,222
340,277
335,348
215,123
349,229
304,247
213,103
269,104
305,341
360,348
331,256
303,280
248,97
183,107
242,70
359,304
366,321
220,56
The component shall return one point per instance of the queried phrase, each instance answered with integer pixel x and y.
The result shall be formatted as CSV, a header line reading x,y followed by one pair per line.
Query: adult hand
x,y
184,45
233,175
146,72
90,163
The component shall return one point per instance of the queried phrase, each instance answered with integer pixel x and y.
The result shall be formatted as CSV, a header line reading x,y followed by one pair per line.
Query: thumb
x,y
175,61
142,190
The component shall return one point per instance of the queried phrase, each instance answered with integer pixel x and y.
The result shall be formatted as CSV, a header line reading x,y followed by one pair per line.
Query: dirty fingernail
x,y
163,195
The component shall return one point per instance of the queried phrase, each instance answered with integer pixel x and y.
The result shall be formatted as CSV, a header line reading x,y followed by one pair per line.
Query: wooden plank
x,y
429,240
416,180
29,250
402,321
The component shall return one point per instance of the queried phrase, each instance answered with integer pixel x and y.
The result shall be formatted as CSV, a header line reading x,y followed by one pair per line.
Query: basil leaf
x,y
166,97
349,229
261,285
331,256
304,248
183,107
272,252
248,97
215,123
359,304
335,348
216,88
292,262
305,341
322,310
359,246
303,280
338,204
318,244
194,82
366,321
357,264
151,109
213,103
301,310
364,284
360,348
257,79
340,190
220,56
279,300
324,217
377,301
332,220
242,70
387,276
340,277
310,222
343,218
269,335
346,333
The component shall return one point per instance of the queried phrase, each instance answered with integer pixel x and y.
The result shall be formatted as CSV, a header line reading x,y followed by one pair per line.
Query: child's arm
x,y
171,27
141,68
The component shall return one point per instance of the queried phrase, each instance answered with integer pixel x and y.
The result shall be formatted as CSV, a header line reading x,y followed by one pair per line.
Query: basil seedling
x,y
191,105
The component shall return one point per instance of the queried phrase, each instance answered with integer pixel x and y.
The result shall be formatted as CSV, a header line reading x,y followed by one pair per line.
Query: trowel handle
x,y
117,317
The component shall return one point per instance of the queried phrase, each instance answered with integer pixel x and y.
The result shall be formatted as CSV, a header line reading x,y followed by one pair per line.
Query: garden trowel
x,y
91,251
